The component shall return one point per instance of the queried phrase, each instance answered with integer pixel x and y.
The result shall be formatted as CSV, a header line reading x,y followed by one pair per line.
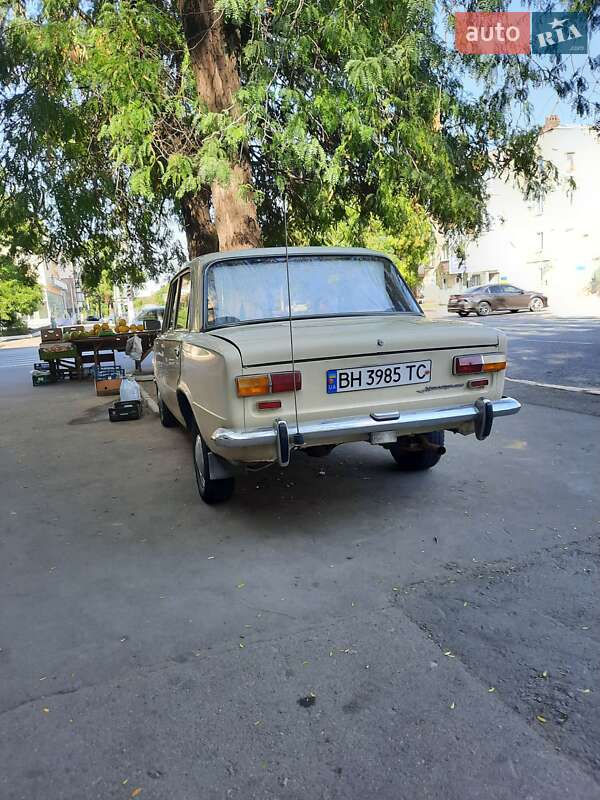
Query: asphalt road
x,y
542,348
338,630
563,351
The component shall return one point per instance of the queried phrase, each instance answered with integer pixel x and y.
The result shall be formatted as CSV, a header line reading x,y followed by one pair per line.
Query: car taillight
x,y
252,385
488,362
274,383
284,381
480,383
268,405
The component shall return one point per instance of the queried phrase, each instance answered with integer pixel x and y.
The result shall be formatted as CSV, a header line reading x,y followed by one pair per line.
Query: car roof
x,y
201,262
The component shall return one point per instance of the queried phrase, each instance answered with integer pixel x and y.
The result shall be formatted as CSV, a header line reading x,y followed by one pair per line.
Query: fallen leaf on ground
x,y
136,792
452,705
449,654
541,719
492,689
46,710
241,585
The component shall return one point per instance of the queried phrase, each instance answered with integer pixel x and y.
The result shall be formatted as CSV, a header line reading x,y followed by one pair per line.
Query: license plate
x,y
357,379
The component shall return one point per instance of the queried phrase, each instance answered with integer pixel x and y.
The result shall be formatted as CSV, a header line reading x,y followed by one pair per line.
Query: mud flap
x,y
484,419
283,442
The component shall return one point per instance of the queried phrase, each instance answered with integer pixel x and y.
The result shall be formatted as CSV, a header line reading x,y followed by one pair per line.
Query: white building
x,y
62,298
552,245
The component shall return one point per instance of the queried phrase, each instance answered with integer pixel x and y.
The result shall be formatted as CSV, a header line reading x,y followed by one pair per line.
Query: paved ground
x,y
331,635
549,349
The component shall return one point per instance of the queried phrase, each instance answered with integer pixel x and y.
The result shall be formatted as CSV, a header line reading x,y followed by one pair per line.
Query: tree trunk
x,y
199,229
213,48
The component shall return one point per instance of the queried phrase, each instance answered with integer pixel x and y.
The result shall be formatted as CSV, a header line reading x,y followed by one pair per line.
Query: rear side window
x,y
183,306
170,307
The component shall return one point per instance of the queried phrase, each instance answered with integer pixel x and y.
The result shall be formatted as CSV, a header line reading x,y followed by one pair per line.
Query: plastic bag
x,y
133,348
129,389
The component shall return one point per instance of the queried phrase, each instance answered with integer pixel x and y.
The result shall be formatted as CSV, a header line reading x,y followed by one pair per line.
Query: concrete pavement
x,y
333,632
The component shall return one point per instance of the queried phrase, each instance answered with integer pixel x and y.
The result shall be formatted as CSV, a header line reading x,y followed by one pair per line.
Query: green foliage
x,y
157,298
359,112
19,292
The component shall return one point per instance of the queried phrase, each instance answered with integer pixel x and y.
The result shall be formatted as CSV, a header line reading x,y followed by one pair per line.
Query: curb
x,y
577,389
150,401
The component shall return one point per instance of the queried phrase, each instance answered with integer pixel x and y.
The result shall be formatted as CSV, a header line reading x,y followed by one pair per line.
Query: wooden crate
x,y
51,334
57,355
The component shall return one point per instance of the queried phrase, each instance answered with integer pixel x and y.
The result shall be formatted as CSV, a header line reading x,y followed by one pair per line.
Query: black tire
x,y
514,310
211,491
167,419
419,459
463,313
536,304
483,309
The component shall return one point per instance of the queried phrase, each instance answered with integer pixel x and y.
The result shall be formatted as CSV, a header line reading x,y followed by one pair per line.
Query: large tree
x,y
118,116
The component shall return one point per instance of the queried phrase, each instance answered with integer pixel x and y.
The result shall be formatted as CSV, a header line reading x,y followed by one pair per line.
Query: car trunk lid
x,y
268,344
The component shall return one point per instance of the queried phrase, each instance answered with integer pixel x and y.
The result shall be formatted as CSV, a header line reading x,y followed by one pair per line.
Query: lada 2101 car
x,y
355,361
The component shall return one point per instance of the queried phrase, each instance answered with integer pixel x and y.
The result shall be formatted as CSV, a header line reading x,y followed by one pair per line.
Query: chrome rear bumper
x,y
421,421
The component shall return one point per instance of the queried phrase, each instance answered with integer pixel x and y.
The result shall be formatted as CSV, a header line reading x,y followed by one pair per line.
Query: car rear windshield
x,y
255,289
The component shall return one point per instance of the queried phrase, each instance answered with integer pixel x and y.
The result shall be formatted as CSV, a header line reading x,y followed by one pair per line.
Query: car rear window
x,y
254,290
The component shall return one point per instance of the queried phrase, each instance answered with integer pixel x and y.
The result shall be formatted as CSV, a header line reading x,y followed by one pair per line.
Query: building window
x,y
540,241
570,162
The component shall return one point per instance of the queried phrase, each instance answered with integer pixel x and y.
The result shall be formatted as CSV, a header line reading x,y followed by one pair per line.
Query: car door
x,y
514,298
495,297
168,344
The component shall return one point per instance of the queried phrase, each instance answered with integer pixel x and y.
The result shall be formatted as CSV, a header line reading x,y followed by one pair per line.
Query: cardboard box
x,y
106,386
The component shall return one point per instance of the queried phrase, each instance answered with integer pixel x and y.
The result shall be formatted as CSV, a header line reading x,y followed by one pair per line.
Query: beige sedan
x,y
354,360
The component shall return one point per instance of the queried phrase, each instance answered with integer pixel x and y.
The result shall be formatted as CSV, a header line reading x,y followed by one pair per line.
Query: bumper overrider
x,y
479,414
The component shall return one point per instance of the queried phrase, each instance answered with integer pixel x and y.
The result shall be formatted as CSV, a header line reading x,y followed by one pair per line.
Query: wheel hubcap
x,y
484,309
536,305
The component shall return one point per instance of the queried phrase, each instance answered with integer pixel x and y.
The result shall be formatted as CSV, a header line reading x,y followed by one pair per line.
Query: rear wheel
x,y
536,304
483,309
415,460
211,491
168,419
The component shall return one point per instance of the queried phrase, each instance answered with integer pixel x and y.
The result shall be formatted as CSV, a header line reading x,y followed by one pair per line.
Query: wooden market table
x,y
97,350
